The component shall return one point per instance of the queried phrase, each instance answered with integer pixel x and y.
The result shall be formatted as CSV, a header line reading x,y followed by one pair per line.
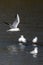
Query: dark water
x,y
20,56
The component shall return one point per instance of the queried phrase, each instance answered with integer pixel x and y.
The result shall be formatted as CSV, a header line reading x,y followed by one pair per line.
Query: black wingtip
x,y
6,23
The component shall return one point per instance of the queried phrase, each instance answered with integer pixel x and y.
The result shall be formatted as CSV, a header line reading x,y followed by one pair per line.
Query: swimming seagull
x,y
14,26
22,39
35,40
34,52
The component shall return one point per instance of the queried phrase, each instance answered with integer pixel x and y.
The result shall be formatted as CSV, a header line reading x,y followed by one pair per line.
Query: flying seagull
x,y
14,26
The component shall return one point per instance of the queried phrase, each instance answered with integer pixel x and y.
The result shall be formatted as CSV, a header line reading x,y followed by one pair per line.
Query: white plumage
x,y
35,40
15,24
22,39
35,51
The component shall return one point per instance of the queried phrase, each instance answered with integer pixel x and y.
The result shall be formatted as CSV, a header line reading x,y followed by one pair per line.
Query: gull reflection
x,y
12,49
22,47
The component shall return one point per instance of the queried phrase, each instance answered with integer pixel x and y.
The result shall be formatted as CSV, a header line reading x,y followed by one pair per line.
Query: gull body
x,y
35,51
35,40
14,29
22,39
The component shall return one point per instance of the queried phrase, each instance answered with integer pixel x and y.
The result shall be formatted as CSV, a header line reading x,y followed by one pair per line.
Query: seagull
x,y
35,40
14,26
35,51
22,39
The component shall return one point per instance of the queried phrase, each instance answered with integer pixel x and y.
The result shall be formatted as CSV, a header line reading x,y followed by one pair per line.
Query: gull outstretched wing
x,y
16,22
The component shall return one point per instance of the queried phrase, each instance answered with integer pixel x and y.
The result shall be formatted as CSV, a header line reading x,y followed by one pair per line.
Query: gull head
x,y
22,36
